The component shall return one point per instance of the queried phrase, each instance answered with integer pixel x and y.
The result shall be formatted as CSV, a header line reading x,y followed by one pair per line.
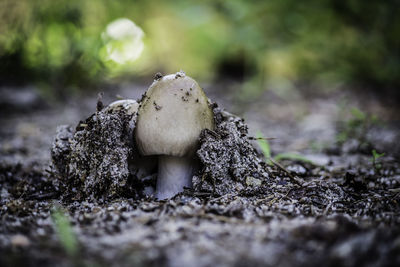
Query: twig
x,y
294,179
261,138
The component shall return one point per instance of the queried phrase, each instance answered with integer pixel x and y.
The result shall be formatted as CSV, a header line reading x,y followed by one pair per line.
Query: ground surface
x,y
341,209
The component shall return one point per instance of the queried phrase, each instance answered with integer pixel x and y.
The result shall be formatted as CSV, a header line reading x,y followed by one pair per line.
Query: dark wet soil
x,y
341,209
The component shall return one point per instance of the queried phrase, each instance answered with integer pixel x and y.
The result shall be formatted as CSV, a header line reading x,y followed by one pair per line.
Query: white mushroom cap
x,y
172,114
130,106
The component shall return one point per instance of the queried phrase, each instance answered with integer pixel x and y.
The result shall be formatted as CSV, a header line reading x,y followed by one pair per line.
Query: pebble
x,y
19,240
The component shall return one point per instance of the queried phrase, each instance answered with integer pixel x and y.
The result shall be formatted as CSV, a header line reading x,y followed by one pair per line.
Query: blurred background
x,y
310,74
65,47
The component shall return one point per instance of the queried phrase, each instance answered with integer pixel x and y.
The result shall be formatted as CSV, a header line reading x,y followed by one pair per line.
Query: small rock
x,y
20,241
297,169
253,182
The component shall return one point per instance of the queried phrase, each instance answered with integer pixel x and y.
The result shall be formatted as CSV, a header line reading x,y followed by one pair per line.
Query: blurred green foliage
x,y
65,232
265,147
266,150
355,131
375,160
261,43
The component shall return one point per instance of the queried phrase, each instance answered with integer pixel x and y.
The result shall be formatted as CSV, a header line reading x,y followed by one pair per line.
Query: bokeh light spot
x,y
123,41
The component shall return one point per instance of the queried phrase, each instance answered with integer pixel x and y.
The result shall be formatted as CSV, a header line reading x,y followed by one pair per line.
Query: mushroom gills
x,y
174,173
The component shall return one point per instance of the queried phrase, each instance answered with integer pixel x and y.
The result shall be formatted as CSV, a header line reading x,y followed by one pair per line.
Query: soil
x,y
338,208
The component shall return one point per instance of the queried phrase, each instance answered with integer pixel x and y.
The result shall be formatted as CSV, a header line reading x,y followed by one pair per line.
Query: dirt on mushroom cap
x,y
170,119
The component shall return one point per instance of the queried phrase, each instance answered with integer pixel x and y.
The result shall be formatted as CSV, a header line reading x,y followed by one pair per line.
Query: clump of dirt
x,y
93,162
230,163
61,149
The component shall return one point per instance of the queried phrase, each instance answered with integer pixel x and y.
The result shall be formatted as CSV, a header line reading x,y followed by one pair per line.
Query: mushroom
x,y
130,106
172,114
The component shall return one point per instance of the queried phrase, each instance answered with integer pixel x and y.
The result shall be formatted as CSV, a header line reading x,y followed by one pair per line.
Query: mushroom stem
x,y
174,173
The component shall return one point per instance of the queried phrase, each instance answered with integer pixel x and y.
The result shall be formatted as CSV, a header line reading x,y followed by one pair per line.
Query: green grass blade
x,y
264,145
65,232
293,156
